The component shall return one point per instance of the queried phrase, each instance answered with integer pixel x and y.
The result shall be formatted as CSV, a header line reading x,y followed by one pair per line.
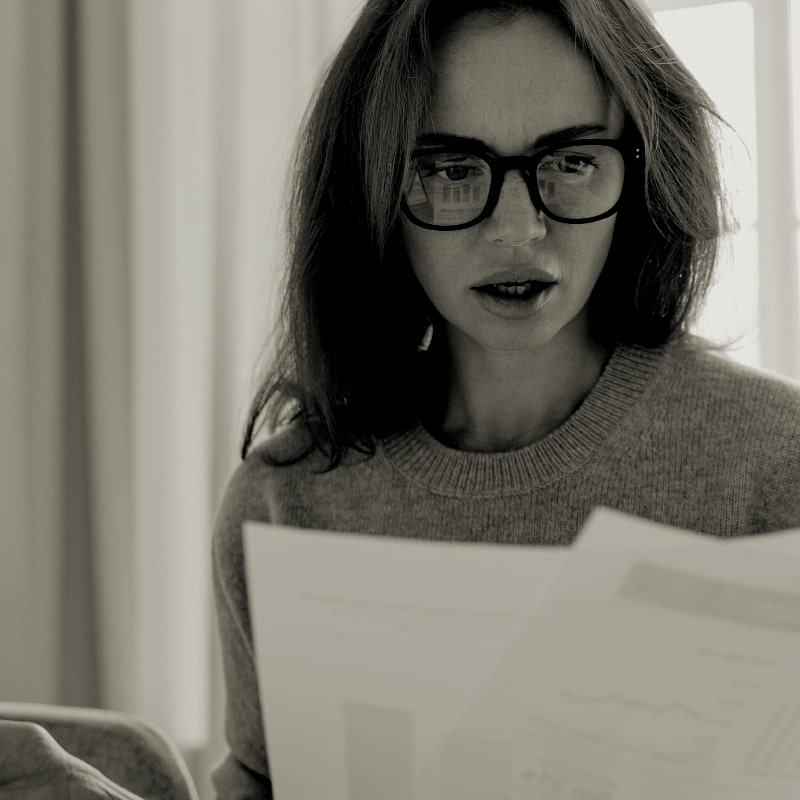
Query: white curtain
x,y
143,150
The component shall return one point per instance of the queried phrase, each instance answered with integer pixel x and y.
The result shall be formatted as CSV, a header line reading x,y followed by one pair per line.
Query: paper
x,y
640,663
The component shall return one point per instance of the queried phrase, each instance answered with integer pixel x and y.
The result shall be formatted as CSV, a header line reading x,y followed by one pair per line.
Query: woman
x,y
505,217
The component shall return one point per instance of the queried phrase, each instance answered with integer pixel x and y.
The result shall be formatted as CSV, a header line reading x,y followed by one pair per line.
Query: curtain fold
x,y
144,156
101,187
171,81
79,680
32,403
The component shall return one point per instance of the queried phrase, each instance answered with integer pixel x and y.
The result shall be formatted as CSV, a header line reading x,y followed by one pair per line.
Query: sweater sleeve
x,y
243,772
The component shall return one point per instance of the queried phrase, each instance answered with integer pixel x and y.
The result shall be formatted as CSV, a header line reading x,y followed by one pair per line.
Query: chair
x,y
127,749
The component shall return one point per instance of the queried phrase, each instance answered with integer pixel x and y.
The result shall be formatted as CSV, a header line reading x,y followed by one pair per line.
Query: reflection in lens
x,y
581,182
455,205
448,188
417,199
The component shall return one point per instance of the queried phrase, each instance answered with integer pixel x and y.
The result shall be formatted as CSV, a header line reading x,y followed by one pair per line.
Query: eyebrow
x,y
545,140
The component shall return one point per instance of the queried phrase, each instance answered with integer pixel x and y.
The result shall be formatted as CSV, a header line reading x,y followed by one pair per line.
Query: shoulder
x,y
250,492
715,395
289,444
738,424
716,383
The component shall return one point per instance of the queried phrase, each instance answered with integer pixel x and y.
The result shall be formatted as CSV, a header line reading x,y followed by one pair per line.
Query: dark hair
x,y
352,312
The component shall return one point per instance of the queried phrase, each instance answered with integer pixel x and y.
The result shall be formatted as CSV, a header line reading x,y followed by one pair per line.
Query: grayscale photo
x,y
401,400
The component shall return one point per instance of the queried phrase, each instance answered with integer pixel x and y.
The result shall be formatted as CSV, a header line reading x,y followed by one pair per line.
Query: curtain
x,y
143,148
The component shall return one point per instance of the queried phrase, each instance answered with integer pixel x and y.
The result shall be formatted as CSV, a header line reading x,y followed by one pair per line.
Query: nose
x,y
515,221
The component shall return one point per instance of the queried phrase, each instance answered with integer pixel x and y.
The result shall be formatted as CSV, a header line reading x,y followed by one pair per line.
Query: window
x,y
743,54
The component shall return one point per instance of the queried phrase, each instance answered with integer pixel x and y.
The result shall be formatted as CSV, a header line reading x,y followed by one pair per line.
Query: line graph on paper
x,y
776,750
616,743
677,724
633,703
665,729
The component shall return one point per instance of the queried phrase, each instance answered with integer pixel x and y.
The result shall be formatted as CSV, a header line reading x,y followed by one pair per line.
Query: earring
x,y
427,337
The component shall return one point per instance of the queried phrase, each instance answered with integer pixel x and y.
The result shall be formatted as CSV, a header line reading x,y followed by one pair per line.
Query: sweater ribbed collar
x,y
445,470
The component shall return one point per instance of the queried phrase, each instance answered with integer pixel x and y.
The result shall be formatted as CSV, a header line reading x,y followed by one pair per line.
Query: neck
x,y
498,401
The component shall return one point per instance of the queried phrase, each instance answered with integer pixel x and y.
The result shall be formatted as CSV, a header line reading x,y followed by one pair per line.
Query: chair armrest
x,y
128,750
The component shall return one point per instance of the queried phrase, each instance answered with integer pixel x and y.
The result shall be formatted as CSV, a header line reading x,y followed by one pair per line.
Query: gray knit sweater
x,y
676,435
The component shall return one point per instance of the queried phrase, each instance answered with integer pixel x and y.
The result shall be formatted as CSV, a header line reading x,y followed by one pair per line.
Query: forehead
x,y
509,82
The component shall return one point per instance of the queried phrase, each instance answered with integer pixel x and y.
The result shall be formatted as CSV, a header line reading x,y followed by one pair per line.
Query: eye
x,y
451,167
570,163
456,173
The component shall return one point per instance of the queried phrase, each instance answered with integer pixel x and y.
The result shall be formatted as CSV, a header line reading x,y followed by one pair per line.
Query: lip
x,y
511,309
517,275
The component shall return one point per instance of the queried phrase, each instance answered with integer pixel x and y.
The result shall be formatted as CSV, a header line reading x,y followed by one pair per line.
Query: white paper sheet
x,y
624,668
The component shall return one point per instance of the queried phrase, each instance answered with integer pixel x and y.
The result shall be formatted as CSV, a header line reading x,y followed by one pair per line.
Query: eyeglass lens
x,y
574,183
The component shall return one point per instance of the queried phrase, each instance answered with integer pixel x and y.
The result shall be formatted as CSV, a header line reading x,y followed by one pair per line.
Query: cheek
x,y
412,244
590,245
606,234
430,254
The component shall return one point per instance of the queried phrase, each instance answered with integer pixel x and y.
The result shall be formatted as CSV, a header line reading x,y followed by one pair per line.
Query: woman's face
x,y
511,86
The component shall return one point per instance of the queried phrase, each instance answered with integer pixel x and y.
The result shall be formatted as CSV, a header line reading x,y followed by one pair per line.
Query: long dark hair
x,y
345,351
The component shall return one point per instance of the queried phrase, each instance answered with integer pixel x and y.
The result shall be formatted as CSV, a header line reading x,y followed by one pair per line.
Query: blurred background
x,y
143,153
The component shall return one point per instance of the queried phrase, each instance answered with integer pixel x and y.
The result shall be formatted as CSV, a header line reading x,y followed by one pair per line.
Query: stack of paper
x,y
642,663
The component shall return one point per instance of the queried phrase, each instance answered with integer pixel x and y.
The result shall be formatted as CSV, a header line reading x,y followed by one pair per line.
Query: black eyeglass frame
x,y
527,165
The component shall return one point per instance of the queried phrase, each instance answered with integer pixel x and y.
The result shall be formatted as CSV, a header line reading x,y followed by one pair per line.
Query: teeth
x,y
513,289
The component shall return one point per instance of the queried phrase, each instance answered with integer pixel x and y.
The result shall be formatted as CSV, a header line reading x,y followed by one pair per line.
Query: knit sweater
x,y
677,435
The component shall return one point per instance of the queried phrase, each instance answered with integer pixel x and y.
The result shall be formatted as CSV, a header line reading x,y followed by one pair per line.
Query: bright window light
x,y
795,32
724,63
795,28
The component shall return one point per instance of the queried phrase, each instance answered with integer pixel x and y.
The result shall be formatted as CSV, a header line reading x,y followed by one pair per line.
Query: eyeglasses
x,y
576,182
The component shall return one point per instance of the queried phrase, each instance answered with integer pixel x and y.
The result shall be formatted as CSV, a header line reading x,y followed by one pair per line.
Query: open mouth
x,y
514,291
